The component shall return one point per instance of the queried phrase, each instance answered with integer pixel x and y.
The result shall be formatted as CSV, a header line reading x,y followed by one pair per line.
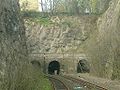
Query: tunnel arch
x,y
54,66
36,63
83,66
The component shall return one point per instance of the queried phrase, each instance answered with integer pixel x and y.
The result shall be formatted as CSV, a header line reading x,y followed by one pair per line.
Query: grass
x,y
29,78
38,81
37,17
33,79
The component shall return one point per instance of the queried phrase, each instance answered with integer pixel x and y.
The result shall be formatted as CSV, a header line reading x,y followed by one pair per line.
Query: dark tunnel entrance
x,y
54,68
83,66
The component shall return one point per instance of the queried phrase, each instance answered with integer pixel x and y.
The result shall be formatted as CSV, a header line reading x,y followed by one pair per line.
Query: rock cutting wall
x,y
104,48
66,34
98,40
12,44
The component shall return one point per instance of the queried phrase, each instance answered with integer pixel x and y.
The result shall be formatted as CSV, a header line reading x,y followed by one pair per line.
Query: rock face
x,y
12,45
104,49
66,34
100,41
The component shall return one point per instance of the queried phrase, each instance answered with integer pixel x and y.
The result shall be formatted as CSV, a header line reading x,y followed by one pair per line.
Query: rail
x,y
57,83
85,83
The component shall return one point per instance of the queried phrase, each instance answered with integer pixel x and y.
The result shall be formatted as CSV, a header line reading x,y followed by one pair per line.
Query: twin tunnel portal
x,y
59,63
82,67
55,68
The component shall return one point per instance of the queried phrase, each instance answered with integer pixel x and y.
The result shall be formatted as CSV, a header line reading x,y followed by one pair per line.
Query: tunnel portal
x,y
83,66
54,68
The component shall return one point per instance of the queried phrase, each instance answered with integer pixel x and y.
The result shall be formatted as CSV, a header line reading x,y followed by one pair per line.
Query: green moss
x,y
37,17
43,21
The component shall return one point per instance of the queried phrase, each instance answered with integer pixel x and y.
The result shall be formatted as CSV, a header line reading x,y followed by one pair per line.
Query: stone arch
x,y
36,63
54,67
83,66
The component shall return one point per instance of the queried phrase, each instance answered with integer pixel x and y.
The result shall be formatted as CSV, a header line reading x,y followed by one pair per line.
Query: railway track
x,y
88,85
57,84
70,83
